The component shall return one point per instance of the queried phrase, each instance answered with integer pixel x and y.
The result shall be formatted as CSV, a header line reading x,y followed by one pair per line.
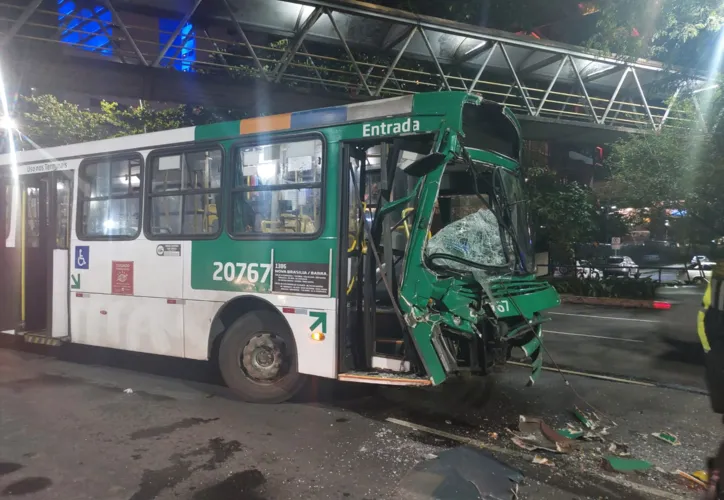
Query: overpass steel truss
x,y
366,51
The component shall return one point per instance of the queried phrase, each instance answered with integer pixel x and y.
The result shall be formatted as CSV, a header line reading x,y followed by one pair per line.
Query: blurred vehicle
x,y
585,270
697,273
699,258
621,266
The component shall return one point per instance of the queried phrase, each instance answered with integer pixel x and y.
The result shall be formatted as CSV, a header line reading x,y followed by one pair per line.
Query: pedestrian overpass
x,y
280,56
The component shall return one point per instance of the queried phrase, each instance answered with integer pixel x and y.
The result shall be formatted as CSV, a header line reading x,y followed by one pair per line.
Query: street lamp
x,y
7,123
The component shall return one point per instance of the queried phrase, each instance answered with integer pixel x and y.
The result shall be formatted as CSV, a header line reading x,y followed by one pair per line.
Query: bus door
x,y
44,233
9,258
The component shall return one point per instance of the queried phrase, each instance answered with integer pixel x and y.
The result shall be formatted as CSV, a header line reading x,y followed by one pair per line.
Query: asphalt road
x,y
70,430
660,346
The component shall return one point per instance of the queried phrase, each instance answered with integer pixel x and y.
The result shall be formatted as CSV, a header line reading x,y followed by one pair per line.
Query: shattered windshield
x,y
466,232
483,230
516,217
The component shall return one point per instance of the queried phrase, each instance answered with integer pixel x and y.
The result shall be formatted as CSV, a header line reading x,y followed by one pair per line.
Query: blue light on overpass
x,y
182,53
87,28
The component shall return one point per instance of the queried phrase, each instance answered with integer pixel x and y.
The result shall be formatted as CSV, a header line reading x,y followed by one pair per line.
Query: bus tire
x,y
258,358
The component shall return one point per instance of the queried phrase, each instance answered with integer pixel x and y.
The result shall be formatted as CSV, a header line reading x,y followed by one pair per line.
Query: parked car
x,y
621,266
699,258
585,270
697,273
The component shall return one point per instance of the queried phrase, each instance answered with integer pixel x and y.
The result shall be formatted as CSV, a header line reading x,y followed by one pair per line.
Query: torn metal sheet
x,y
590,420
462,473
544,434
667,438
619,464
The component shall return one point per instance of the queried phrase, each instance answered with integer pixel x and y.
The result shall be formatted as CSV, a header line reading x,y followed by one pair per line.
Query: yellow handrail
x,y
407,226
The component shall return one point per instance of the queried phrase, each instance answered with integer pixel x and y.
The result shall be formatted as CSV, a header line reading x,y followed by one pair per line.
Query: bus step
x,y
42,339
390,341
384,378
390,364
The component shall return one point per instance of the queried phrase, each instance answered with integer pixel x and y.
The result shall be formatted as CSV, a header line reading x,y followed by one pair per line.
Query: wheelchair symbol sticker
x,y
82,257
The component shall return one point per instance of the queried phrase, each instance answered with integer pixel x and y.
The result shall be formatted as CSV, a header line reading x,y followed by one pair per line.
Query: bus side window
x,y
277,188
109,197
184,193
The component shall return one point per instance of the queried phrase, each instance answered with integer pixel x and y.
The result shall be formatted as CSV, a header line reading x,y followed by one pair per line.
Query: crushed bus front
x,y
469,293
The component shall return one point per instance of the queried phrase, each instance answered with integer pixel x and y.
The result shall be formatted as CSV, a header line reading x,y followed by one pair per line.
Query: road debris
x,y
692,478
619,449
619,464
543,461
667,437
462,472
701,475
571,433
543,435
525,445
589,420
128,391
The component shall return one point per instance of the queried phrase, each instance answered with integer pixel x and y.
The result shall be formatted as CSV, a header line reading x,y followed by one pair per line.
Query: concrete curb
x,y
615,302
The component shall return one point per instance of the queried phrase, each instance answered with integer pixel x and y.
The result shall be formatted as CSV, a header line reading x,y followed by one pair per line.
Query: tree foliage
x,y
676,32
45,121
562,213
677,168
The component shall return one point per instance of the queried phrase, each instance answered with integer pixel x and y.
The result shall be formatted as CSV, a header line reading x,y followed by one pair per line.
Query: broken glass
x,y
474,238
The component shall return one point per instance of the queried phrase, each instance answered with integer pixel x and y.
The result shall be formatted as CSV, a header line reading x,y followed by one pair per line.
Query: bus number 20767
x,y
233,271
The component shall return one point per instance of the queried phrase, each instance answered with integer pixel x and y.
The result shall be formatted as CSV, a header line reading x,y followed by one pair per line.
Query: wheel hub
x,y
263,357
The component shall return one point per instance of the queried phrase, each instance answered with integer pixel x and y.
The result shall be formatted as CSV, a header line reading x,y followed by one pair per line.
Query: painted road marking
x,y
607,317
593,336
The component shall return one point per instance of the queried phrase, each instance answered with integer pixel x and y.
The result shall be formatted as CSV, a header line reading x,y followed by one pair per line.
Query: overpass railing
x,y
357,49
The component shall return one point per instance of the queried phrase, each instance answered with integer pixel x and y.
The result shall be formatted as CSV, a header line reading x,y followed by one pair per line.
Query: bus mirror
x,y
425,165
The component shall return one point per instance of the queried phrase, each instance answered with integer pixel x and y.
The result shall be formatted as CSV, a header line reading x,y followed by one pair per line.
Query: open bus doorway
x,y
42,240
374,336
9,259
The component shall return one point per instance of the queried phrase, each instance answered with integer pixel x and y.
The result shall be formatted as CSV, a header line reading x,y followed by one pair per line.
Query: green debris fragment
x,y
585,419
536,365
530,347
570,434
619,464
668,438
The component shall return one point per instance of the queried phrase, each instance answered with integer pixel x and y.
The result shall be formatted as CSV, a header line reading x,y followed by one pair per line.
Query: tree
x,y
44,121
677,168
562,213
677,32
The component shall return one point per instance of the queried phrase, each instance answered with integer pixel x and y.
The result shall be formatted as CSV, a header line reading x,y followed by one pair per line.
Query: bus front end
x,y
469,293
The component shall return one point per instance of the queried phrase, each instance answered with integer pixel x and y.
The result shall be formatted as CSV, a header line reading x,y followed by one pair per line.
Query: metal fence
x,y
672,274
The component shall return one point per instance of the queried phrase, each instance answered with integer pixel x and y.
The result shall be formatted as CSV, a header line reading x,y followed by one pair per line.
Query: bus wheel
x,y
258,359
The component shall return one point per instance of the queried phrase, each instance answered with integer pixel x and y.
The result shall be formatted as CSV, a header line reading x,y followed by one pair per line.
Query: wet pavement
x,y
70,428
651,345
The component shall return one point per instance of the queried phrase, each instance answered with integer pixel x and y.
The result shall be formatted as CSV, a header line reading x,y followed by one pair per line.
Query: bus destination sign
x,y
301,278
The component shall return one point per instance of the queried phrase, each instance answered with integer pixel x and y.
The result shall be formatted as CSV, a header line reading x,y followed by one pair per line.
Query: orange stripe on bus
x,y
265,124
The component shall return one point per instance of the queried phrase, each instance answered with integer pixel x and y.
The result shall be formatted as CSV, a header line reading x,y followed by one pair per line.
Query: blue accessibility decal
x,y
82,257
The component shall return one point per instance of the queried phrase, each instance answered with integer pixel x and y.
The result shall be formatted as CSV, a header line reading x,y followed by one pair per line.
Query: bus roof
x,y
430,103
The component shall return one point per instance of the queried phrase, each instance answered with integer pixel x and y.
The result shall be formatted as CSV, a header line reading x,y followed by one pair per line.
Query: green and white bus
x,y
381,242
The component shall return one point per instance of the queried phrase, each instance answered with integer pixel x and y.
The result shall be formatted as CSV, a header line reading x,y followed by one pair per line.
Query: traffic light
x,y
598,156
